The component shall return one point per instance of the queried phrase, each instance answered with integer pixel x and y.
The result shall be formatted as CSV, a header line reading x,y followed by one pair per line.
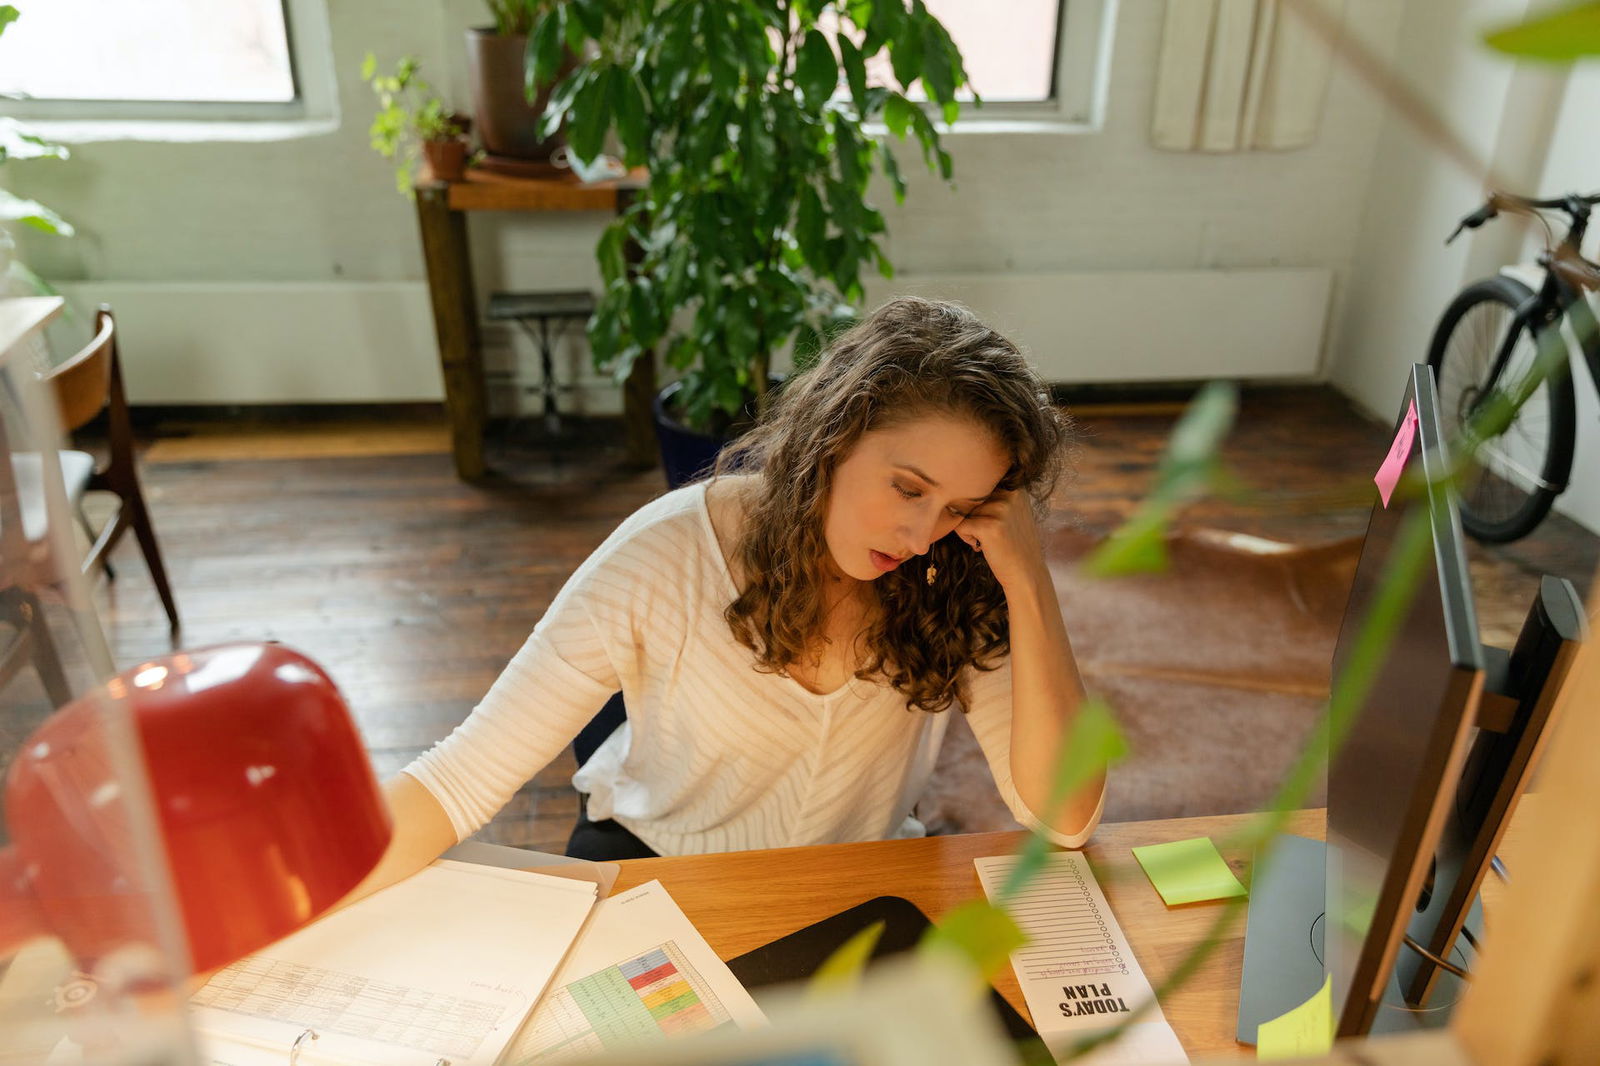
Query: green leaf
x,y
543,59
898,114
905,53
1570,33
14,208
815,71
937,76
611,253
559,109
848,150
18,142
605,330
811,227
891,169
855,71
1139,546
1198,436
842,970
590,15
591,115
978,933
644,321
369,65
633,128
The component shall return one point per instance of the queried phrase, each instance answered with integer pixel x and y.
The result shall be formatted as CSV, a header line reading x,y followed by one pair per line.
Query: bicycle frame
x,y
1556,299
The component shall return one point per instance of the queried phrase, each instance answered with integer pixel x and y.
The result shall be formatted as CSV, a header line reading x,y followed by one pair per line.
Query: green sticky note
x,y
1188,871
1306,1030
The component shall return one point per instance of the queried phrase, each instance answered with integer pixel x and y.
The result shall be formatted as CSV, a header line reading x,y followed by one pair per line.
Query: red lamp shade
x,y
265,805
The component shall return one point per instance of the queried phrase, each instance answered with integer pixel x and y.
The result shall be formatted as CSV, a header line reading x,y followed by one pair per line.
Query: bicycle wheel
x,y
1508,490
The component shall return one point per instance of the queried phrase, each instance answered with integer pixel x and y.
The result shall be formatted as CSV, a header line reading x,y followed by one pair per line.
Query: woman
x,y
787,635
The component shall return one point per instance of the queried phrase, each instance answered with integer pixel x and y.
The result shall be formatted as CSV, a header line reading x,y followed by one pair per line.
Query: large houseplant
x,y
754,225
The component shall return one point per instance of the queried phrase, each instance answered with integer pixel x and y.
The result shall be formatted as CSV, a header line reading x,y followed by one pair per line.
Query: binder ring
x,y
294,1048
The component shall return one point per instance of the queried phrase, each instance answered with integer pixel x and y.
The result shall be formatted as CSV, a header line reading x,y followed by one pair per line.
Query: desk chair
x,y
536,313
84,385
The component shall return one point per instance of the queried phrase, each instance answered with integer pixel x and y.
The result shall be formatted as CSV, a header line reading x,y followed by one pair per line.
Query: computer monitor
x,y
1406,847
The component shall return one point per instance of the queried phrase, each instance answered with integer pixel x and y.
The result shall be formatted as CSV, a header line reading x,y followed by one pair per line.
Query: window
x,y
1037,64
1009,49
169,62
198,51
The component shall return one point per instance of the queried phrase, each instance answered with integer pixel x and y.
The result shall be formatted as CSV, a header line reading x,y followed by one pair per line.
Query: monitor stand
x,y
1283,948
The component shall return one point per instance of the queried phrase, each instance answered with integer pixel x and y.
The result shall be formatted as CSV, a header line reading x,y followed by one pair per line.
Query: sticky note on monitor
x,y
1305,1030
1188,871
1394,464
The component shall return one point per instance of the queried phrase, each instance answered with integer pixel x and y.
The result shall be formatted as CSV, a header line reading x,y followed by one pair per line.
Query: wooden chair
x,y
84,385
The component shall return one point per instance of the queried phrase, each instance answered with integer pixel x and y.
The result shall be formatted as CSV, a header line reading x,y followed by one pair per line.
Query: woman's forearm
x,y
1046,693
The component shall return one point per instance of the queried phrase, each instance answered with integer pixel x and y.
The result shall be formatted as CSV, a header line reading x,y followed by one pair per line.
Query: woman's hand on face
x,y
1004,531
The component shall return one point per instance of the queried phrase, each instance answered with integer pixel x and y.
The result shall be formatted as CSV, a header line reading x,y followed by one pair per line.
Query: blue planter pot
x,y
686,454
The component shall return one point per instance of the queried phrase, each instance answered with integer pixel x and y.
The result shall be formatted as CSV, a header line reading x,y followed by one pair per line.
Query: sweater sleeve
x,y
577,657
989,715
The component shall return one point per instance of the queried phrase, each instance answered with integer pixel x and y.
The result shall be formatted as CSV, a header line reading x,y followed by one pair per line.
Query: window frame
x,y
314,106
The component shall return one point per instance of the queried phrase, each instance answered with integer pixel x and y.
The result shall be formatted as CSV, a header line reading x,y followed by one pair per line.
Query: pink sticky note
x,y
1388,475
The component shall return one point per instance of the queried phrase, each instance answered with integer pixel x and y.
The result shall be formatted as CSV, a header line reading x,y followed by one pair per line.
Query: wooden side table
x,y
441,216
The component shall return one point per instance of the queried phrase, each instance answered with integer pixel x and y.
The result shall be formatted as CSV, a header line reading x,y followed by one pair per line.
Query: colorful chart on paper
x,y
649,995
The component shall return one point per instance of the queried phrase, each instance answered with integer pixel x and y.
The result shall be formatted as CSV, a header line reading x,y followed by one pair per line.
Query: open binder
x,y
438,970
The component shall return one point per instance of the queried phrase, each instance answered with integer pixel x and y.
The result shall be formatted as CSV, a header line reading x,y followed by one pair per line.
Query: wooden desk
x,y
742,900
441,216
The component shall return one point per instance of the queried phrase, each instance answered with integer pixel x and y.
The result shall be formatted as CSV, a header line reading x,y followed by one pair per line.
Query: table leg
x,y
455,320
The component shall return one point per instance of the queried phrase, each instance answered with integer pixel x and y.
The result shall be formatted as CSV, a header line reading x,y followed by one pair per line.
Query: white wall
x,y
1533,126
322,212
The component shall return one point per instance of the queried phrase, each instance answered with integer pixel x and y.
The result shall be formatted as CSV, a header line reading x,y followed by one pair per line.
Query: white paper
x,y
441,966
640,971
1078,974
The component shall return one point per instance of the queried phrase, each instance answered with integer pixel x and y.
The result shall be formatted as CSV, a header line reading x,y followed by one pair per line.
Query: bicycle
x,y
1487,339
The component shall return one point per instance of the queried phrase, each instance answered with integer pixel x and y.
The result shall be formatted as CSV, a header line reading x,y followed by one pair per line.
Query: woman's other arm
x,y
422,831
1046,690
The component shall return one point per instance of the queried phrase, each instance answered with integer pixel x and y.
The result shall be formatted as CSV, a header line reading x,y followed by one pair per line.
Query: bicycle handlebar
x,y
1575,205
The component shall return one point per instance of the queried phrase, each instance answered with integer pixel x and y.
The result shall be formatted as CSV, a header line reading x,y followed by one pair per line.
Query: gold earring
x,y
933,572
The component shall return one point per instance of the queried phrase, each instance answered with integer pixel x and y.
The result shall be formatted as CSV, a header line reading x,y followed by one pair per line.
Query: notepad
x,y
1188,871
1078,972
444,965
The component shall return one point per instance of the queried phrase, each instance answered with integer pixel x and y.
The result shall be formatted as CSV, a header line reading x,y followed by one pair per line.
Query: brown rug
x,y
1217,670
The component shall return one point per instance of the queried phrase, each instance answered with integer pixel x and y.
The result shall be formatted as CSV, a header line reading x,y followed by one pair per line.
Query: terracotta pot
x,y
447,160
507,123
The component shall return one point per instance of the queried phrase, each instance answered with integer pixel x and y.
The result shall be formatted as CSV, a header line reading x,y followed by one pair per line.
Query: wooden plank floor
x,y
354,542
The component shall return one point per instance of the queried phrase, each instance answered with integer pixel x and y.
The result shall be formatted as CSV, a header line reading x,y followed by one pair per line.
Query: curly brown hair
x,y
911,358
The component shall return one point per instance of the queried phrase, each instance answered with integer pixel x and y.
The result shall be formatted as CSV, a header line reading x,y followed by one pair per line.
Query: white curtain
x,y
1239,74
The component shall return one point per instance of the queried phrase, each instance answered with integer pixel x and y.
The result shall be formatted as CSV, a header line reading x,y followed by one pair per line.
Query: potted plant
x,y
505,102
754,224
412,117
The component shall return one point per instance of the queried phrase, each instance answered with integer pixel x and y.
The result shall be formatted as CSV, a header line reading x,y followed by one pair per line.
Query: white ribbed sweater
x,y
715,756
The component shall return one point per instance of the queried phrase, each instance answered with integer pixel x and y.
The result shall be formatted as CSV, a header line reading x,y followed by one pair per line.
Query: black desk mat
x,y
800,954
